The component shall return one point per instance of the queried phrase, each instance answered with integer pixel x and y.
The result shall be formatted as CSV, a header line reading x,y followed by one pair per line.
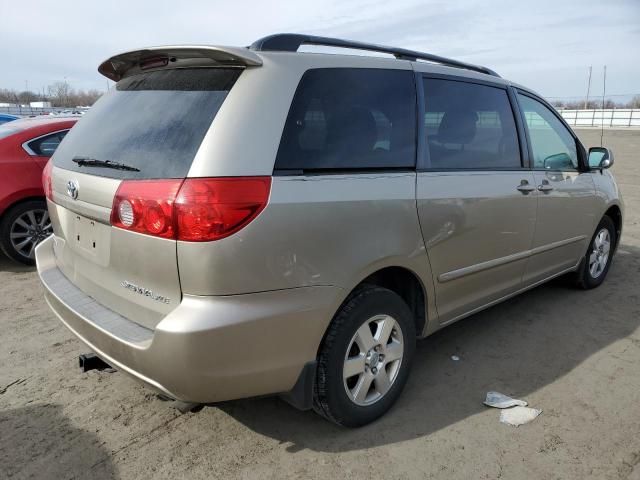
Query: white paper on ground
x,y
498,400
517,416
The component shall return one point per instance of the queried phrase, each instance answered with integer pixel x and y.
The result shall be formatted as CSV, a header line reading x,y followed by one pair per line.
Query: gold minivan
x,y
234,222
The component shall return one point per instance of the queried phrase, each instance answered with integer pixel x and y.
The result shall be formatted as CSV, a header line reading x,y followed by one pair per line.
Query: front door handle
x,y
545,187
525,187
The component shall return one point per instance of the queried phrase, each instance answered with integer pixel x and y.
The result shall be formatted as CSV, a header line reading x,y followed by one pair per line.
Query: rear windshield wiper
x,y
93,162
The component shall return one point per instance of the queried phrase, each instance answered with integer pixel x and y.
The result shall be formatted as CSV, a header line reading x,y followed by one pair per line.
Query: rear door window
x,y
153,122
469,126
350,119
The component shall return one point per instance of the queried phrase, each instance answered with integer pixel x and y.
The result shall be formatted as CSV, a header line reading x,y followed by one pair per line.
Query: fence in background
x,y
618,117
34,111
622,117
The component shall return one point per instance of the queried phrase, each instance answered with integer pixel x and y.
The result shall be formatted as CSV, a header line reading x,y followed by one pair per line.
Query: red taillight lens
x,y
46,180
146,206
213,208
193,210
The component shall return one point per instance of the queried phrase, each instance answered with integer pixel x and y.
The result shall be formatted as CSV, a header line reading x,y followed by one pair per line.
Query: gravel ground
x,y
574,354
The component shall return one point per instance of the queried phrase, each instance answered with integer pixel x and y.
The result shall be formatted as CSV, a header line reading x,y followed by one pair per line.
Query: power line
x,y
608,95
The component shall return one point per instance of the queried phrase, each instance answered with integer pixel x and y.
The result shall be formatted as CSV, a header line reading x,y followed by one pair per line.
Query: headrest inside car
x,y
458,127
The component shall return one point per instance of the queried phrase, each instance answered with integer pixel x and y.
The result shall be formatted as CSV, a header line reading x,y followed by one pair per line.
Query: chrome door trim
x,y
496,262
560,243
479,267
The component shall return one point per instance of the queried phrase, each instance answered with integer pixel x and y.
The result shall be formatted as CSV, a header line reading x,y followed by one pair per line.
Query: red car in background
x,y
25,148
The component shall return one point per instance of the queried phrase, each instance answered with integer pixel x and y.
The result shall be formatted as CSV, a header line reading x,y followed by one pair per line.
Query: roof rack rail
x,y
291,42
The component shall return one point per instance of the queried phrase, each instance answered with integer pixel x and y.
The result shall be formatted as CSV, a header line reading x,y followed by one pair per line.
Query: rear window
x,y
153,122
350,119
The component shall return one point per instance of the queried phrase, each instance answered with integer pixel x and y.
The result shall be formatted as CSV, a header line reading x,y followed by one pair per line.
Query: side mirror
x,y
600,158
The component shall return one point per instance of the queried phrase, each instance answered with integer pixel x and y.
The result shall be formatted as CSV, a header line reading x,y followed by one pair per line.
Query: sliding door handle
x,y
525,187
545,187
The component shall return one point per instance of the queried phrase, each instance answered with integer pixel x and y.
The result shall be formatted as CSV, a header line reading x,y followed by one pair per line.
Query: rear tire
x,y
22,227
365,358
596,262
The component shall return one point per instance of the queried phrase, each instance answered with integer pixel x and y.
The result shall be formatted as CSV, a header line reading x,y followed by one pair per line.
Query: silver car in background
x,y
234,222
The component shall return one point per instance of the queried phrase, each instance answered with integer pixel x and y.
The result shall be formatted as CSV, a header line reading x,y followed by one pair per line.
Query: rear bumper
x,y
208,349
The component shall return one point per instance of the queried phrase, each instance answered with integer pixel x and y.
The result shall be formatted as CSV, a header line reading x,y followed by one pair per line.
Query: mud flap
x,y
301,395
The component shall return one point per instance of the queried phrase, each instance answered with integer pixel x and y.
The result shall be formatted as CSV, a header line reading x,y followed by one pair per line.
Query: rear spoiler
x,y
182,55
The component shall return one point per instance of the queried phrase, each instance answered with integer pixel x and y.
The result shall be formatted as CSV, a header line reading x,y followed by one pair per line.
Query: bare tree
x,y
59,94
85,98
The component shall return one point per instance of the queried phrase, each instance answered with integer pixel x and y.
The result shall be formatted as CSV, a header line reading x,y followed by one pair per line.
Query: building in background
x,y
40,104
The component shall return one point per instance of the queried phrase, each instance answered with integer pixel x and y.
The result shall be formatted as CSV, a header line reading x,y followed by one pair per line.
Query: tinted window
x,y
553,146
45,146
154,122
469,126
350,119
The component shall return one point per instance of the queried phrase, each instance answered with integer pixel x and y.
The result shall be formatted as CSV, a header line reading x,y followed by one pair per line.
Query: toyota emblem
x,y
72,189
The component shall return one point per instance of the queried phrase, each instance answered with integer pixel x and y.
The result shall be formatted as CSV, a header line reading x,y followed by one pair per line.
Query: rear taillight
x,y
146,206
192,210
46,180
213,208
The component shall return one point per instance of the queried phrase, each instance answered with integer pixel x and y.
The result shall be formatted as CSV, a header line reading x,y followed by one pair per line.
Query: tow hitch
x,y
90,361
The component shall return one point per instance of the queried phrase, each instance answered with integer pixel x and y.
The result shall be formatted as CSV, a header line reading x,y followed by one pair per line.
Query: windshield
x,y
153,122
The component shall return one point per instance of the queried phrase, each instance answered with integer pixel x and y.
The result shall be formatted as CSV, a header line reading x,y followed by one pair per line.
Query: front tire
x,y
595,264
365,358
23,226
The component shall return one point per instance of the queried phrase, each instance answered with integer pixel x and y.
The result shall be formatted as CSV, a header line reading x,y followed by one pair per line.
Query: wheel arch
x,y
615,214
401,280
408,286
14,202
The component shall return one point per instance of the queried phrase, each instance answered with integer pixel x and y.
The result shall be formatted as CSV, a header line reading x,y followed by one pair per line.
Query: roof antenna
x,y
604,90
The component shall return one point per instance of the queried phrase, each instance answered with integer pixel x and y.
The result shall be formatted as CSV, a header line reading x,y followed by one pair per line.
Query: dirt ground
x,y
574,354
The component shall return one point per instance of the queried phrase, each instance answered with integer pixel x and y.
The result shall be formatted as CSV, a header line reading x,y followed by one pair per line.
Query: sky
x,y
547,45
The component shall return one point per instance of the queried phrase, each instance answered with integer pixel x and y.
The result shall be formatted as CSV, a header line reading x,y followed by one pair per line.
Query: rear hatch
x,y
148,127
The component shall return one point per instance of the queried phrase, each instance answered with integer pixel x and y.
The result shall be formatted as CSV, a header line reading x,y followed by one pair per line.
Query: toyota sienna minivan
x,y
238,222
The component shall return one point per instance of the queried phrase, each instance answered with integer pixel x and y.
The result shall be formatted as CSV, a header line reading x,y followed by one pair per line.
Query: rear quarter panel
x,y
331,230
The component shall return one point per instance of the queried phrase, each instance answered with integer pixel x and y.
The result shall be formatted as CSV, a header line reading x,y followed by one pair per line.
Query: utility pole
x,y
604,85
586,100
604,91
66,92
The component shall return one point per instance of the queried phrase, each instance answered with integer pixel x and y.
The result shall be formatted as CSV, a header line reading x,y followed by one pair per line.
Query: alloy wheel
x,y
28,230
373,360
600,253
